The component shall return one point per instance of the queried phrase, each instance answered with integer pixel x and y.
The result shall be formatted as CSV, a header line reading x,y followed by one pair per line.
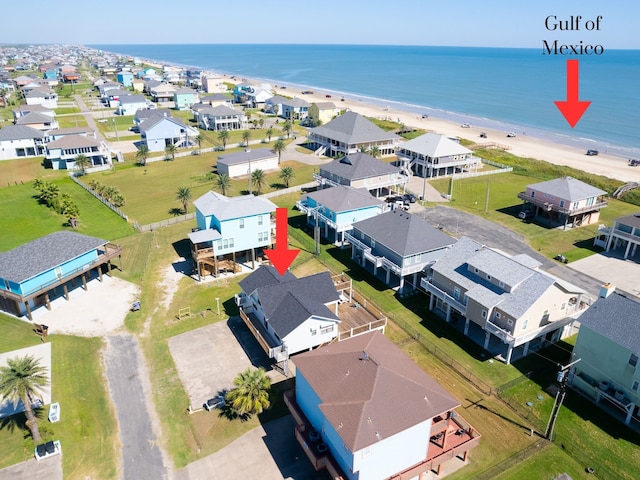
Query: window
x,y
498,315
633,360
635,386
373,243
225,243
327,329
488,277
475,270
242,223
524,324
456,293
58,272
533,194
484,314
260,220
231,243
510,322
314,331
561,203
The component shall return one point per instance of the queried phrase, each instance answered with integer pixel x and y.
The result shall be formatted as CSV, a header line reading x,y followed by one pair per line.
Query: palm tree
x,y
223,183
93,184
278,148
269,133
82,162
199,139
258,180
184,196
49,194
21,380
287,126
286,174
142,154
71,211
170,151
275,110
246,135
374,151
261,122
251,395
223,136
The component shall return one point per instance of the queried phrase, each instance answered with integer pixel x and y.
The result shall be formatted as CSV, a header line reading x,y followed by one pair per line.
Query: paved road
x,y
129,389
88,115
459,223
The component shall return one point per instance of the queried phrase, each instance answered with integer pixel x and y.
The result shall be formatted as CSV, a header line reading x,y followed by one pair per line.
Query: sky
x,y
482,23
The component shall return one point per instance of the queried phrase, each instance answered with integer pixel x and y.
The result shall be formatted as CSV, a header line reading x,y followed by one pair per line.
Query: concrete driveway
x,y
269,452
47,469
611,268
210,357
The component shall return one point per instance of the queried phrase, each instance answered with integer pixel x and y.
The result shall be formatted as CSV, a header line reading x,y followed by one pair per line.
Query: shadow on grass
x,y
182,247
175,211
278,186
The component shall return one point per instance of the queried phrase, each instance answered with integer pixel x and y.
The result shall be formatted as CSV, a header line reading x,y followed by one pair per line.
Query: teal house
x,y
230,229
183,98
336,209
35,273
607,351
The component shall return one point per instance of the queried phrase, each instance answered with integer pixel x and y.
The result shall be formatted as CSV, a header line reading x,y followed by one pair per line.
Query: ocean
x,y
504,88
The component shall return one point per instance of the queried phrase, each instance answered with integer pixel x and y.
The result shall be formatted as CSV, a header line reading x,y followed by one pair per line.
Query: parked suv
x,y
216,402
526,213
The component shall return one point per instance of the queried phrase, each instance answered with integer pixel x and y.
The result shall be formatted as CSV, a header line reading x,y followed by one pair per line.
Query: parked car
x,y
634,162
526,213
511,134
466,125
409,197
592,152
393,199
483,135
216,402
328,96
424,115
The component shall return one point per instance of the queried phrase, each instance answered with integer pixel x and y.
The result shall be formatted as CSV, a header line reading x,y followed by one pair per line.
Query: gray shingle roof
x,y
73,141
153,121
616,318
344,199
528,284
404,233
235,158
630,220
372,398
263,277
287,303
353,128
357,166
567,188
221,111
45,253
132,99
226,208
34,117
19,132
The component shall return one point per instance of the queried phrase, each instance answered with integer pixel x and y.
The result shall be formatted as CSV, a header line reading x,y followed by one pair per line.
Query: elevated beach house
x,y
287,314
158,132
322,112
359,170
504,303
608,346
350,133
61,154
220,117
130,104
42,96
228,228
35,273
366,411
38,120
18,141
564,201
289,108
624,235
184,97
334,210
238,164
397,246
433,155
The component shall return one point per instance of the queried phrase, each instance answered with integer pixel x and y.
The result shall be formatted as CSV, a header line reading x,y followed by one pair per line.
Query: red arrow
x,y
281,256
572,109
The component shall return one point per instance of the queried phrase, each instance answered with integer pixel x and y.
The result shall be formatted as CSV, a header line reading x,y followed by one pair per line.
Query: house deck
x,y
355,319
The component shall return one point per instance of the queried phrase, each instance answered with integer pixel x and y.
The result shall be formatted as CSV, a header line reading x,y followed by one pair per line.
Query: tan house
x,y
504,303
564,201
323,112
625,235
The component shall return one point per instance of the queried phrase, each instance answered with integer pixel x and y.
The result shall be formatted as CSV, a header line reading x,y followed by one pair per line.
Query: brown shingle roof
x,y
370,390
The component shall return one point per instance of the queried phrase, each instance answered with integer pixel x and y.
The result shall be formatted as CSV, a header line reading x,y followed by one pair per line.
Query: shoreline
x,y
612,165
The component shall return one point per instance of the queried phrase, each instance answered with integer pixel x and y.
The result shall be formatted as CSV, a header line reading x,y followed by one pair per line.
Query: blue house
x,y
365,411
336,209
33,274
228,227
125,78
158,132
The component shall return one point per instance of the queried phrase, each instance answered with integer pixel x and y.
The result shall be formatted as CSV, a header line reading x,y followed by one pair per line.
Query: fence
x,y
164,223
115,209
284,191
512,461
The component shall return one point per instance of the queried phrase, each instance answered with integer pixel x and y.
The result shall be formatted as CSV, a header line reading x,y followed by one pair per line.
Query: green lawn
x,y
24,219
87,428
150,191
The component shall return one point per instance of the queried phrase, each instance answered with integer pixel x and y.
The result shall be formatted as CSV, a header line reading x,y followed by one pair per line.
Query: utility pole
x,y
316,233
451,188
563,379
486,200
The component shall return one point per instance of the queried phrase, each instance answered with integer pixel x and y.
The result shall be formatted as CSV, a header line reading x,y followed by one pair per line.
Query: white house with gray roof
x,y
228,228
39,96
434,155
238,164
397,246
502,302
61,154
350,133
289,108
159,132
38,120
20,141
130,104
334,210
565,201
608,346
359,170
287,314
220,117
624,235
